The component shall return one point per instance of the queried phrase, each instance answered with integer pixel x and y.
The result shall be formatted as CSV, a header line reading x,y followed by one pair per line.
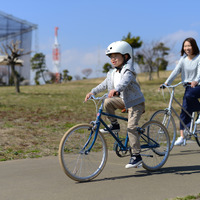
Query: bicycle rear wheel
x,y
168,121
78,163
155,145
197,134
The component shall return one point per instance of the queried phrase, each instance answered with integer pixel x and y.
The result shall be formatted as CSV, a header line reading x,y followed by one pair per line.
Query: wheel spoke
x,y
155,145
168,121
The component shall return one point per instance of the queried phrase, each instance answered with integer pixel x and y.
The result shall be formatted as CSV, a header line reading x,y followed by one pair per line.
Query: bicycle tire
x,y
154,157
163,117
197,134
77,163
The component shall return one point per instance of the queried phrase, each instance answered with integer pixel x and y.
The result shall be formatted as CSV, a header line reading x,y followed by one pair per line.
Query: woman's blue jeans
x,y
190,103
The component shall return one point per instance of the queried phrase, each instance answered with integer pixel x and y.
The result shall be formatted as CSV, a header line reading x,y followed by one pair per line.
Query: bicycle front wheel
x,y
155,145
79,163
168,121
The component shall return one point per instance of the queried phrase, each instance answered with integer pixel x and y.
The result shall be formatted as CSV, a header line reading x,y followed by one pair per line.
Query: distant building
x,y
15,29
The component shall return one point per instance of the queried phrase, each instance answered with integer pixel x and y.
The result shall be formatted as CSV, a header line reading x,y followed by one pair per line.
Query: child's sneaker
x,y
135,161
113,127
179,141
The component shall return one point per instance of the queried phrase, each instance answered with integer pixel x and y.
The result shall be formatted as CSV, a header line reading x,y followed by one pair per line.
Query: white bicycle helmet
x,y
120,47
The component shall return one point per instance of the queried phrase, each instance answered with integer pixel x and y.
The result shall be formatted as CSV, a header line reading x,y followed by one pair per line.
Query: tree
x,y
87,72
152,58
161,52
77,77
66,77
133,41
50,77
107,67
11,78
13,52
144,60
38,64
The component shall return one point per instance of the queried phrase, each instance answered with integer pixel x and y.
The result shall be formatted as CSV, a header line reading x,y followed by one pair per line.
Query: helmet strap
x,y
119,69
125,60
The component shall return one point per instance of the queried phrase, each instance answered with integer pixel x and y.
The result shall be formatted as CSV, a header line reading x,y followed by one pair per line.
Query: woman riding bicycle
x,y
189,67
123,91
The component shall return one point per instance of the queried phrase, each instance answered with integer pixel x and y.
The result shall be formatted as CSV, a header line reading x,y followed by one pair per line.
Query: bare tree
x,y
13,52
87,72
52,77
152,58
144,60
77,77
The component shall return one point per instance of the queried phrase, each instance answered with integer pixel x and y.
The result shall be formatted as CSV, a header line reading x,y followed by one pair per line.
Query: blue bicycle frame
x,y
124,147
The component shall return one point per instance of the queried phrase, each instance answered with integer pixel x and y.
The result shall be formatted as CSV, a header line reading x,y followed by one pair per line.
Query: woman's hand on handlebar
x,y
194,83
162,86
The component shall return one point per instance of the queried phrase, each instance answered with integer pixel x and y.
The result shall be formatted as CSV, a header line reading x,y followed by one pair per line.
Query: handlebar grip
x,y
162,86
117,94
187,84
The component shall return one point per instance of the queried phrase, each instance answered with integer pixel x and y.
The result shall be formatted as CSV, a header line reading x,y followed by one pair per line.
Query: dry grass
x,y
33,122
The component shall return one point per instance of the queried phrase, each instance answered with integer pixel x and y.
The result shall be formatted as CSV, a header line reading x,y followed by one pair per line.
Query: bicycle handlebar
x,y
173,86
98,98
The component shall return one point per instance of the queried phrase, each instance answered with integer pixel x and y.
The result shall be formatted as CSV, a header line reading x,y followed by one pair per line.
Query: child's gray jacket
x,y
132,94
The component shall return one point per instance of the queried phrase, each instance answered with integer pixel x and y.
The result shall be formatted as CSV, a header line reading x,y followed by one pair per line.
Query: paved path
x,y
43,179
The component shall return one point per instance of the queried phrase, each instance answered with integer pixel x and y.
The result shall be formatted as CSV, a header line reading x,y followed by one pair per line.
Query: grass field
x,y
33,122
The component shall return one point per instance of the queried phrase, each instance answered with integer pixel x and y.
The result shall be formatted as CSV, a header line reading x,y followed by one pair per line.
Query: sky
x,y
87,27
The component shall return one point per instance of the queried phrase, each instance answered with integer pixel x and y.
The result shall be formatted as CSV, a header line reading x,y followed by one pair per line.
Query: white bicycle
x,y
166,118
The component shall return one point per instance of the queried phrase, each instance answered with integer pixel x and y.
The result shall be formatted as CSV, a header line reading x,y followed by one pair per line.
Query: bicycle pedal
x,y
140,130
116,132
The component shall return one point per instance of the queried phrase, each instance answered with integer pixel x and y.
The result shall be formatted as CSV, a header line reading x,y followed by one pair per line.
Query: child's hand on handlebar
x,y
88,96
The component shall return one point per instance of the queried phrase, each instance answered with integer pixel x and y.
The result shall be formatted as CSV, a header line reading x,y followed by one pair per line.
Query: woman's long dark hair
x,y
193,43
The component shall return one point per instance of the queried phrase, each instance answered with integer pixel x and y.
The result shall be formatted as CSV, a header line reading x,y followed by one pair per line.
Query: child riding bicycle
x,y
123,91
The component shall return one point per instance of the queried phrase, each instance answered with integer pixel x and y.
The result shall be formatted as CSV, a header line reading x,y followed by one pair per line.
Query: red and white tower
x,y
56,55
